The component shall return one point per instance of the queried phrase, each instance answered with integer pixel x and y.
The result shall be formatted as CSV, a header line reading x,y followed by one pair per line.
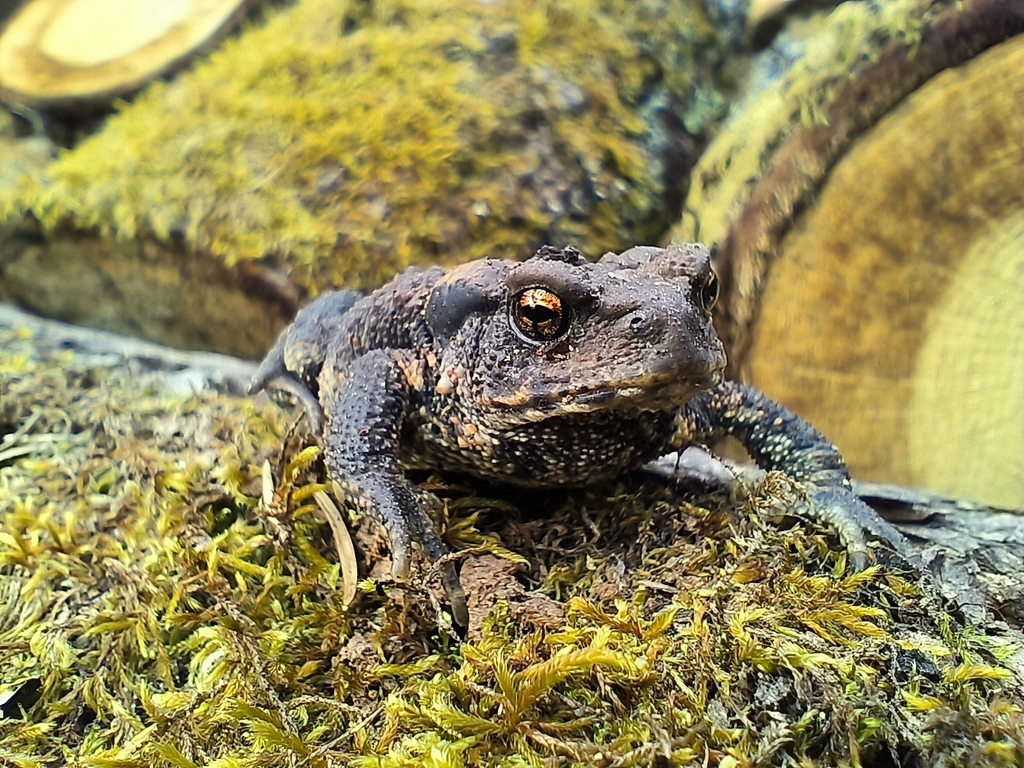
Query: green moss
x,y
159,607
350,139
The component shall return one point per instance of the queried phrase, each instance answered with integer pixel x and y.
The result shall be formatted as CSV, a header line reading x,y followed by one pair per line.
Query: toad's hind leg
x,y
297,357
365,401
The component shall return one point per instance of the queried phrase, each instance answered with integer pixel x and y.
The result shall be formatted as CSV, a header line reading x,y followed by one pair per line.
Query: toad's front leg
x,y
364,402
776,438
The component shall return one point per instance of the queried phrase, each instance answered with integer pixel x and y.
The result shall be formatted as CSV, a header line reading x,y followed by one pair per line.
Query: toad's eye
x,y
709,292
539,314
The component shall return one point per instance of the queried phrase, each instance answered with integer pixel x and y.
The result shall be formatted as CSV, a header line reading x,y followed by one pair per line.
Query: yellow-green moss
x,y
352,138
157,608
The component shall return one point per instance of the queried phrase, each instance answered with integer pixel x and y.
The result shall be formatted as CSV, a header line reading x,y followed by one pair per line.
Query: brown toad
x,y
550,372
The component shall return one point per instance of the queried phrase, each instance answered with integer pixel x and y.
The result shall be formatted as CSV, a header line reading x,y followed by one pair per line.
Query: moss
x,y
159,607
350,139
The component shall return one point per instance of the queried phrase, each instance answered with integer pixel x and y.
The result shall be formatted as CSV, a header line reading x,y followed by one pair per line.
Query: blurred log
x,y
62,53
874,259
196,370
338,143
145,288
7,7
762,10
140,287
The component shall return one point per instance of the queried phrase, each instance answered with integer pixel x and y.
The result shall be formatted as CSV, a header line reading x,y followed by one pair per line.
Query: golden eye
x,y
709,291
539,315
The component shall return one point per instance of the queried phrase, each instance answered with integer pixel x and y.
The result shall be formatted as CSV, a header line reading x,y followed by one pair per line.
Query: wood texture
x,y
62,52
893,317
145,288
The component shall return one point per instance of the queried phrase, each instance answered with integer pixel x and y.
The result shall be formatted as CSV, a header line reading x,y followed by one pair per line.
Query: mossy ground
x,y
348,139
158,608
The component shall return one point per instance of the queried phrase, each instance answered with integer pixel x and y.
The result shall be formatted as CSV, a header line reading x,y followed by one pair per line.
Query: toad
x,y
550,372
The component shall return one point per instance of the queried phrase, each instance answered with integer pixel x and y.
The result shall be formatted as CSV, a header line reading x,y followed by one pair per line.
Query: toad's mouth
x,y
656,393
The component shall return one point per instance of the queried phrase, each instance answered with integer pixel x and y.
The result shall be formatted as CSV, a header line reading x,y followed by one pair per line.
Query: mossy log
x,y
871,233
338,142
70,53
169,594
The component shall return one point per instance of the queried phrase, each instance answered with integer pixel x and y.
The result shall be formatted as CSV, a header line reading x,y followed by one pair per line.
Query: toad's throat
x,y
660,394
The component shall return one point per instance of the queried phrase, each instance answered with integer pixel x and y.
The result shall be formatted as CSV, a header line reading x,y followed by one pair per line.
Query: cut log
x,y
58,53
875,264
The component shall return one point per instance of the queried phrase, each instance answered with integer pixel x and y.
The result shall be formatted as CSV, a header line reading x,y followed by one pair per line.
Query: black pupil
x,y
539,315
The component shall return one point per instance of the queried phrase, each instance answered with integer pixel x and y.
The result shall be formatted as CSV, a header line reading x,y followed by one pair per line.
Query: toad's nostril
x,y
637,321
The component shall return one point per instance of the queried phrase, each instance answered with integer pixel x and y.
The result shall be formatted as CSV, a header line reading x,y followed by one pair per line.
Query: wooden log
x,y
64,53
873,259
975,553
144,288
204,370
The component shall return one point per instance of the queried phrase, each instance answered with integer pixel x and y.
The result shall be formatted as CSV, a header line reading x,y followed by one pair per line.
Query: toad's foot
x,y
853,520
295,361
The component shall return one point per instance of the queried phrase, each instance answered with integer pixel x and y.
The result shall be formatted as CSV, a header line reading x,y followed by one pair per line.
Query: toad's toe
x,y
855,521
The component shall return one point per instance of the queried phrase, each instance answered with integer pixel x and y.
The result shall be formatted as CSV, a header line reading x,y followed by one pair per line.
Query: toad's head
x,y
556,335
